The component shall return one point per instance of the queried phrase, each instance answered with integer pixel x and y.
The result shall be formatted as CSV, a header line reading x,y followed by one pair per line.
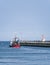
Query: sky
x,y
27,19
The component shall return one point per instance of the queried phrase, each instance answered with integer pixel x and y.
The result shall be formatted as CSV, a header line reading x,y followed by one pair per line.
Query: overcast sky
x,y
28,19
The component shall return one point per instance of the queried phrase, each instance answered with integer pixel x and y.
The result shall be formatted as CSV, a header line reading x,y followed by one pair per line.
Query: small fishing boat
x,y
15,43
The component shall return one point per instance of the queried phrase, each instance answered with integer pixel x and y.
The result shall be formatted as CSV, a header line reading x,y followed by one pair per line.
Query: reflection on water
x,y
24,55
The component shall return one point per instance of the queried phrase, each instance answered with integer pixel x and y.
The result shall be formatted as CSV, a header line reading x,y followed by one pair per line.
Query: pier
x,y
35,43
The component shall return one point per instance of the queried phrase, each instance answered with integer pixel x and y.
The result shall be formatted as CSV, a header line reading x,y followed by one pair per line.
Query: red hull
x,y
16,46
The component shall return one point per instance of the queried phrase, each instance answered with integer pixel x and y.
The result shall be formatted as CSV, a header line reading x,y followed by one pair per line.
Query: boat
x,y
15,43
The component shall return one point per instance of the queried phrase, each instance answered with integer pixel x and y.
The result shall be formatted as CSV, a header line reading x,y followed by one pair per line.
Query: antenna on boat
x,y
15,36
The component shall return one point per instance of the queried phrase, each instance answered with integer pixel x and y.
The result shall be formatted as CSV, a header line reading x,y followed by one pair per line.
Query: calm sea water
x,y
24,55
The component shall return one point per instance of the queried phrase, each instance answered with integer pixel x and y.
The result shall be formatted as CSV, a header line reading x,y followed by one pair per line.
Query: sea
x,y
25,55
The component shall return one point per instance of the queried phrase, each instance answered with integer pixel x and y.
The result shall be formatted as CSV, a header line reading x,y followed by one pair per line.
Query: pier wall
x,y
36,43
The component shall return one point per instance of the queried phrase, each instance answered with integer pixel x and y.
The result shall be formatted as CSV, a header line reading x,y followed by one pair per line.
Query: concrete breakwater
x,y
35,43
